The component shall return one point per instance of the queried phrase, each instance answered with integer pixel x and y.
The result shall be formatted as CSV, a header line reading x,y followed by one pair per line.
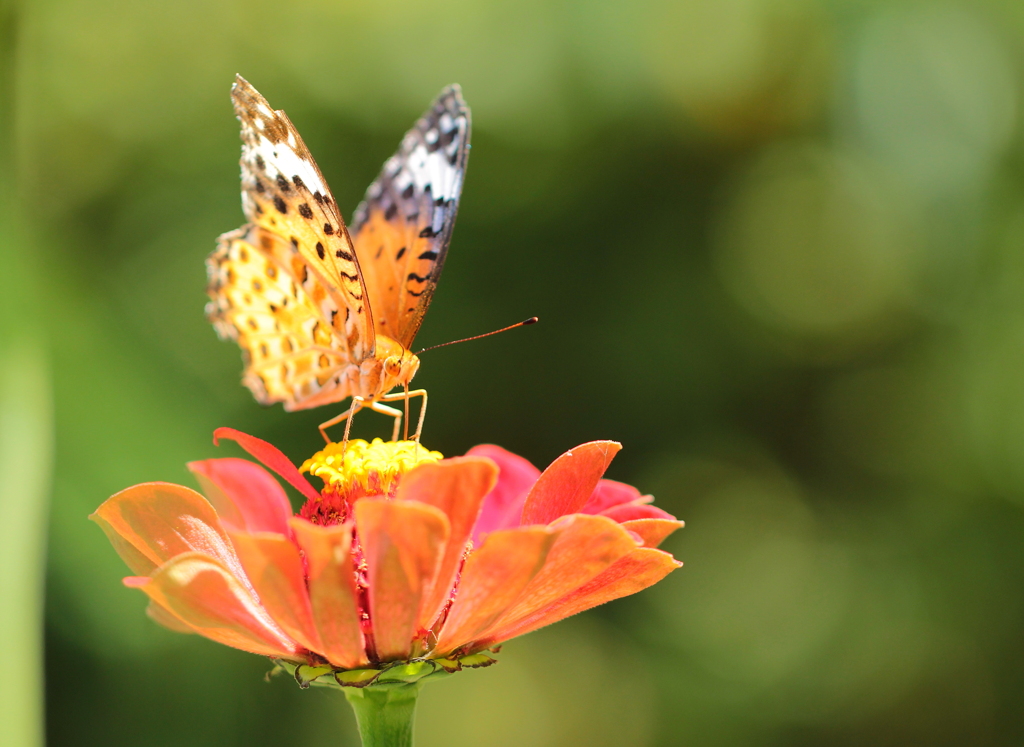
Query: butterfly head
x,y
397,364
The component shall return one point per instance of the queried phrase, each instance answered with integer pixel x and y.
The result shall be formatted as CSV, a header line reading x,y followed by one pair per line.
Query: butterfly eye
x,y
392,365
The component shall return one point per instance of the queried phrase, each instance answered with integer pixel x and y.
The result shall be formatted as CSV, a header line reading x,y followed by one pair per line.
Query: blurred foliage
x,y
777,249
26,444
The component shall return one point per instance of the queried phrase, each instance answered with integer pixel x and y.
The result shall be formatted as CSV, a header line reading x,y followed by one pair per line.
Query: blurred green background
x,y
777,250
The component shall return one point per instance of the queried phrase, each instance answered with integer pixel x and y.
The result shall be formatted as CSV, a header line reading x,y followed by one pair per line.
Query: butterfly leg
x,y
405,395
357,405
396,414
405,390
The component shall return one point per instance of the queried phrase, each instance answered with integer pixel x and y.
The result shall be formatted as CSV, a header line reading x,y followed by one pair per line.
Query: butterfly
x,y
322,312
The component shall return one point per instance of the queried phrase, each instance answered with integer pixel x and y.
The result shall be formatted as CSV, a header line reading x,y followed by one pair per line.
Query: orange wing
x,y
287,286
404,225
284,193
290,352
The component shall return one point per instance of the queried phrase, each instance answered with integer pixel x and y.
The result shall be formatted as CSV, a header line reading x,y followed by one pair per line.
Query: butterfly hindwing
x,y
291,353
403,227
284,193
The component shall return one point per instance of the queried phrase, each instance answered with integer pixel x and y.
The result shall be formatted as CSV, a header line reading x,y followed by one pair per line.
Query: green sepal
x,y
449,665
394,674
356,677
410,672
305,674
477,660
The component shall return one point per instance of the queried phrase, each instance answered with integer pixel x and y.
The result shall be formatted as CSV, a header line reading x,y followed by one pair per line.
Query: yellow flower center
x,y
372,466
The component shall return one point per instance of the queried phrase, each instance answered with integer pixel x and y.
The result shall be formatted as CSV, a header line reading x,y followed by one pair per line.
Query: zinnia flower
x,y
405,564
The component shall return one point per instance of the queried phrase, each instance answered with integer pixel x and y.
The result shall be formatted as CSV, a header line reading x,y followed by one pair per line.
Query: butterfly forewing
x,y
403,227
284,193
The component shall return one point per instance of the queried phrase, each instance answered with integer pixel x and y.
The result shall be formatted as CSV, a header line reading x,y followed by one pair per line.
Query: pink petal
x,y
503,506
566,485
151,523
636,571
246,497
403,543
585,547
652,531
271,456
492,580
205,595
609,493
632,511
332,591
274,567
457,487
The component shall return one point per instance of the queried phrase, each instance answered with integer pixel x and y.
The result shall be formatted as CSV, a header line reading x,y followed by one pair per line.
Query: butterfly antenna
x,y
524,323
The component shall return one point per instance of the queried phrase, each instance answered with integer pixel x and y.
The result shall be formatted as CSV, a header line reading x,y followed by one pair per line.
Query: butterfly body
x,y
322,315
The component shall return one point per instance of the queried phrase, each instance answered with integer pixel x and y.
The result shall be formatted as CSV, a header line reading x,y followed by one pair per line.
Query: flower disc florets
x,y
356,469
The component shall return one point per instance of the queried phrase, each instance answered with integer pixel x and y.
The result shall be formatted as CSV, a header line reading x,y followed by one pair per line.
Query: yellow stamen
x,y
341,467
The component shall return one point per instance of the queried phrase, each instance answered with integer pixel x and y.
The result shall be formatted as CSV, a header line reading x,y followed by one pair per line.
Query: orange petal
x,y
332,590
403,543
567,484
585,547
457,487
244,494
150,523
653,531
204,594
274,567
641,568
271,456
160,615
139,562
492,579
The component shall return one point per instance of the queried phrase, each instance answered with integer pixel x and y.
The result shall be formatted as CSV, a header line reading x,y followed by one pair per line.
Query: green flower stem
x,y
385,713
